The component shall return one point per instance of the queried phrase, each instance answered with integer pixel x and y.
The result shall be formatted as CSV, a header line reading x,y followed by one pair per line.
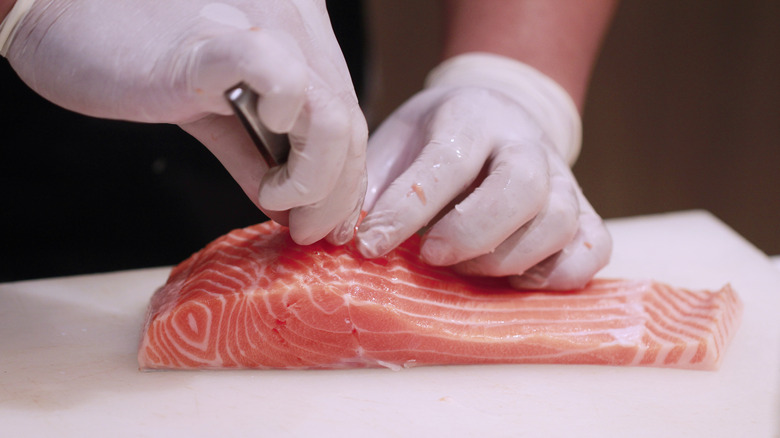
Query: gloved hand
x,y
482,156
171,61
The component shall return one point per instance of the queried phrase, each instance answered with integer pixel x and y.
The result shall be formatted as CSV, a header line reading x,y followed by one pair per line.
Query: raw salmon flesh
x,y
253,299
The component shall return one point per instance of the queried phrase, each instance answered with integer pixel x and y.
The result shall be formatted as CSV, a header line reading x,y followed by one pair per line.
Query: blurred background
x,y
683,113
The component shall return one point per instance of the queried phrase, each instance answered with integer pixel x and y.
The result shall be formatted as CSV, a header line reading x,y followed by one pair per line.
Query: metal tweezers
x,y
273,147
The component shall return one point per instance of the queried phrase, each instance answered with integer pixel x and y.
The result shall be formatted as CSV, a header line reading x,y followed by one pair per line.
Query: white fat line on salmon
x,y
401,285
172,340
728,325
691,297
676,325
265,334
229,318
223,284
680,322
234,323
392,366
665,348
251,322
699,307
318,306
690,349
292,345
240,260
525,324
674,337
487,358
167,306
527,295
663,302
620,336
213,271
203,332
619,308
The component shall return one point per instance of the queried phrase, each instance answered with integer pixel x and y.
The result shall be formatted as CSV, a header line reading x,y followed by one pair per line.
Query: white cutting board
x,y
67,367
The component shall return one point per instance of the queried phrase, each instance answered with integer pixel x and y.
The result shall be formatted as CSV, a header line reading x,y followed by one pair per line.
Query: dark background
x,y
683,112
83,195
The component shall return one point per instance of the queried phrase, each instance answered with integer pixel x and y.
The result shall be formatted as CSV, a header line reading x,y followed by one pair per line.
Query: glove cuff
x,y
10,23
550,105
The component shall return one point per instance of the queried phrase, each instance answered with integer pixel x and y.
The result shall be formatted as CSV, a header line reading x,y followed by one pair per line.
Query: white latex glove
x,y
171,61
482,156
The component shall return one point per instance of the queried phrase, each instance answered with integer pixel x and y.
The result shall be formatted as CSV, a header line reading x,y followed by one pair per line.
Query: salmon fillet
x,y
254,299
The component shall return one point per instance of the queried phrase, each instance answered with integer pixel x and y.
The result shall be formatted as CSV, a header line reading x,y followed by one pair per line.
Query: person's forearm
x,y
560,38
5,8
